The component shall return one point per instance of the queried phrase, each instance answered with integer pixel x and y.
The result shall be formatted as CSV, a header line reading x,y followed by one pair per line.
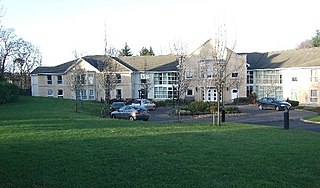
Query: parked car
x,y
132,113
144,102
116,106
273,103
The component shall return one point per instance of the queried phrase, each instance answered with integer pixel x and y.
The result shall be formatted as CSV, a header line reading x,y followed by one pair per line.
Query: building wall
x,y
204,86
296,83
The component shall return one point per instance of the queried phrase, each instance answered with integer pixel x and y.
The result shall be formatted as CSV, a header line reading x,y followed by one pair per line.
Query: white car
x,y
144,102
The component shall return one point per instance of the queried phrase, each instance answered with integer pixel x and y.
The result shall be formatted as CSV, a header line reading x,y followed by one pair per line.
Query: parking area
x,y
251,115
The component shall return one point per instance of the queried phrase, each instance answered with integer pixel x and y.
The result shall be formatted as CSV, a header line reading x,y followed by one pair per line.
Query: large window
x,y
165,78
160,92
250,77
49,79
313,95
59,79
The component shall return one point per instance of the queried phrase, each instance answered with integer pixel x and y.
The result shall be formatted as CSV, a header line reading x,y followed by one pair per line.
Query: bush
x,y
200,106
293,103
232,109
241,100
8,92
160,103
253,98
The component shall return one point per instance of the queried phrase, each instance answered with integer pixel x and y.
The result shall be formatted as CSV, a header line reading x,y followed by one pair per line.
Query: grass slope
x,y
43,143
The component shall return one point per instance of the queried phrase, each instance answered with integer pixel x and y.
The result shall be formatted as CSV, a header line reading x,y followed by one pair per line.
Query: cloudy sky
x,y
59,27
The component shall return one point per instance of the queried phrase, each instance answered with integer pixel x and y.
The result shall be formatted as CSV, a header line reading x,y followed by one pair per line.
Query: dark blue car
x,y
273,103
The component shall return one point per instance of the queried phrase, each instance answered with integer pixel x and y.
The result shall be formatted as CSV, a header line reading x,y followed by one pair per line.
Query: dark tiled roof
x,y
284,59
59,69
152,63
134,63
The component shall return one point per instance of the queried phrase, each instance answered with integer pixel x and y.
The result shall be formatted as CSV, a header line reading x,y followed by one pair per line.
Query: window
x,y
294,79
143,81
90,79
60,93
160,92
84,94
189,74
49,79
234,75
165,78
91,95
314,75
50,92
314,95
118,93
59,79
189,92
250,77
118,78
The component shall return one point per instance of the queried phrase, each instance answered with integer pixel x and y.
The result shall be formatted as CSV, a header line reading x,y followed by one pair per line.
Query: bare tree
x,y
108,74
75,80
26,59
180,49
305,44
212,68
146,82
9,45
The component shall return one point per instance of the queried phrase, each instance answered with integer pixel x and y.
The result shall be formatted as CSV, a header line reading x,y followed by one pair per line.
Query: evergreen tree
x,y
126,51
316,39
151,51
144,52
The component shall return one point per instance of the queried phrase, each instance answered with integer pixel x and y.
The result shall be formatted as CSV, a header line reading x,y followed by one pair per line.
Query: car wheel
x,y
131,118
277,108
260,107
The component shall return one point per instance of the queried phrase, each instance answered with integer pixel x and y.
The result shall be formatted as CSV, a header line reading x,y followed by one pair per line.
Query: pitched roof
x,y
152,63
59,69
284,59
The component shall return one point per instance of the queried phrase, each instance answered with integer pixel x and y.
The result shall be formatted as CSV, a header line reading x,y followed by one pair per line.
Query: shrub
x,y
8,92
241,100
253,98
200,106
232,109
293,103
160,103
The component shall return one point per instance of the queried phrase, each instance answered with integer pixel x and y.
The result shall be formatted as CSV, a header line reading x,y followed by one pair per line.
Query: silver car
x,y
132,113
144,102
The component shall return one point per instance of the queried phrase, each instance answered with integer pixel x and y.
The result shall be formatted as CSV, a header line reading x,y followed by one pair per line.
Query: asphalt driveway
x,y
251,115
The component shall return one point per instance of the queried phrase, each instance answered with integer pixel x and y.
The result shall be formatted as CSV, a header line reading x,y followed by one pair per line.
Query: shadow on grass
x,y
199,157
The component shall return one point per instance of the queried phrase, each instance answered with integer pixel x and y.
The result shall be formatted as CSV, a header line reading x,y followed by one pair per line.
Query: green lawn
x,y
313,118
43,143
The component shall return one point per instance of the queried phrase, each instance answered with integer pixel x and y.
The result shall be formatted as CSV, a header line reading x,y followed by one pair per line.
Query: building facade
x,y
153,77
292,74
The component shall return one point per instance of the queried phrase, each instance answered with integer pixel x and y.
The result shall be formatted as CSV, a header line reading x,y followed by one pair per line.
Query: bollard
x,y
286,120
223,115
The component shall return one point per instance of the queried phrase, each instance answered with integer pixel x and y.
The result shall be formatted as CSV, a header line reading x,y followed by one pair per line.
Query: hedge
x,y
8,92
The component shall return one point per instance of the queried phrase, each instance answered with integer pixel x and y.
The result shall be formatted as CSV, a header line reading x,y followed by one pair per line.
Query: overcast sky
x,y
59,27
